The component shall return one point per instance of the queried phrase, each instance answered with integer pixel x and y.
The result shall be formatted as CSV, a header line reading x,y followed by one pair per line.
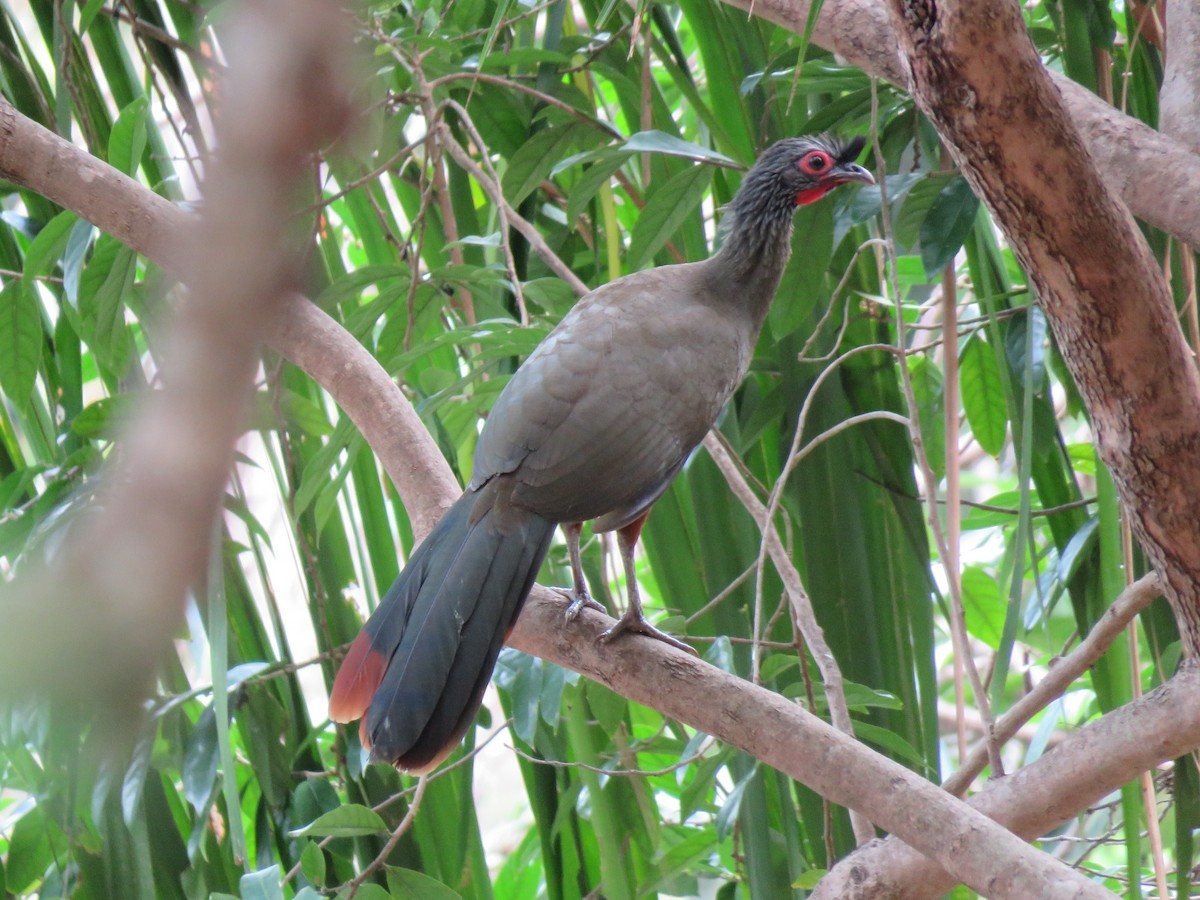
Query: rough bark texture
x,y
1179,97
975,73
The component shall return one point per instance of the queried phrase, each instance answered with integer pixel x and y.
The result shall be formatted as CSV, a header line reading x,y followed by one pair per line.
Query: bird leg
x,y
634,619
578,593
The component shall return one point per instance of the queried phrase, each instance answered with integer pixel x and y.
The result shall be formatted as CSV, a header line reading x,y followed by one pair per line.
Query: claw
x,y
637,624
577,600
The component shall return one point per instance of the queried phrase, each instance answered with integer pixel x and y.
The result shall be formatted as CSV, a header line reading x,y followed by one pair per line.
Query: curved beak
x,y
843,173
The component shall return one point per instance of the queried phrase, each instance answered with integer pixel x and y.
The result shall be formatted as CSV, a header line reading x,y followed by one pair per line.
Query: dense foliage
x,y
618,131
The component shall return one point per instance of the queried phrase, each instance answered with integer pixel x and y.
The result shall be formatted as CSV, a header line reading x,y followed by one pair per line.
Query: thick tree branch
x,y
1087,765
795,742
977,76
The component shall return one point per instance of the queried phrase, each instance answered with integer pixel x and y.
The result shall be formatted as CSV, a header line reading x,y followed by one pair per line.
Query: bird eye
x,y
815,163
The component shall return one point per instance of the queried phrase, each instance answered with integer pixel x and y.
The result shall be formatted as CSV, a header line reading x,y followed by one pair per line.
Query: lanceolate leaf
x,y
350,820
946,227
664,212
983,395
20,341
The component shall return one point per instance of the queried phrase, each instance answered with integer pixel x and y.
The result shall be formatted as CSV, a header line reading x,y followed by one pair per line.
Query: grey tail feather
x,y
441,626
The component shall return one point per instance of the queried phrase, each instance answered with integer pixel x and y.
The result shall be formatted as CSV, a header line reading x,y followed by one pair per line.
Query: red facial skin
x,y
814,164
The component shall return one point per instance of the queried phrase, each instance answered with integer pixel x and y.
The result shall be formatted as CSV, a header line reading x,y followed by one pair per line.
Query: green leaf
x,y
135,775
1014,346
106,282
590,182
809,879
47,248
532,163
200,761
312,863
262,885
983,605
1079,548
29,852
943,230
661,142
983,395
88,14
727,815
350,820
918,201
417,886
664,212
20,342
891,742
128,137
927,389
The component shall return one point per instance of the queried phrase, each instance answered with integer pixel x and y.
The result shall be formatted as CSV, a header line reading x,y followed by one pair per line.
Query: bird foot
x,y
638,625
577,599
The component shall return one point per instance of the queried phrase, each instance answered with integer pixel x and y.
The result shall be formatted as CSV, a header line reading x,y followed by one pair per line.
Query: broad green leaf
x,y
135,775
664,212
918,201
88,14
350,820
590,182
809,879
200,761
1081,546
661,142
983,605
927,388
106,282
128,137
727,815
48,247
312,863
20,342
262,885
29,851
532,163
983,395
417,886
1014,346
943,230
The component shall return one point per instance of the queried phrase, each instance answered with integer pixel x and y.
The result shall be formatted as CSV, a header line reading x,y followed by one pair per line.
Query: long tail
x,y
419,667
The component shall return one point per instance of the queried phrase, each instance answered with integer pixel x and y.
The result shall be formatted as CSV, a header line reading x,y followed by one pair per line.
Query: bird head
x,y
795,172
813,166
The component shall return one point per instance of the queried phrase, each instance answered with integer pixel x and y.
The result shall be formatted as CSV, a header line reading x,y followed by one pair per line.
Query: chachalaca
x,y
593,426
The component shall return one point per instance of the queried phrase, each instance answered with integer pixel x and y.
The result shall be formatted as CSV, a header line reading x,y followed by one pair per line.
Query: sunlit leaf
x,y
350,820
983,395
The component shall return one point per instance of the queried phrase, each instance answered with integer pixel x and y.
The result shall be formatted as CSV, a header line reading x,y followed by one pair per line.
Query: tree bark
x,y
976,75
